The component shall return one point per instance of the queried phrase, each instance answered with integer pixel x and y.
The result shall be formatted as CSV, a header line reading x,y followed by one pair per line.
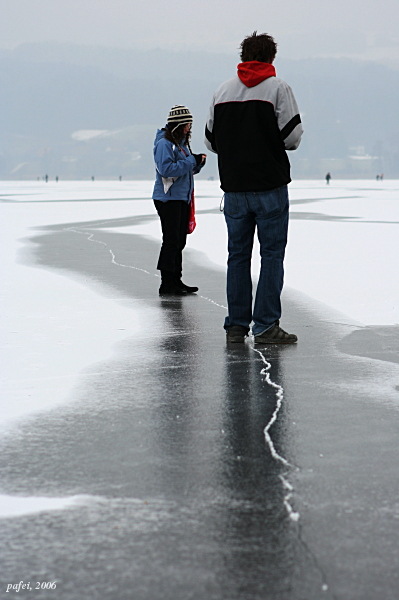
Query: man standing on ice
x,y
253,120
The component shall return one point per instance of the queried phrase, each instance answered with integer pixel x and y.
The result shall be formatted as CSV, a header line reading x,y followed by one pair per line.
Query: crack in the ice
x,y
289,490
287,486
319,569
213,302
90,238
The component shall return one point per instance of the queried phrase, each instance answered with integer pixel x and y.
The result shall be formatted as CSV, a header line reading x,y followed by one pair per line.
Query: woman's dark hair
x,y
260,47
177,136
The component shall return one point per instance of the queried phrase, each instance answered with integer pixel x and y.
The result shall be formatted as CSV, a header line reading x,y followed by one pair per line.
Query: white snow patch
x,y
18,506
346,261
52,326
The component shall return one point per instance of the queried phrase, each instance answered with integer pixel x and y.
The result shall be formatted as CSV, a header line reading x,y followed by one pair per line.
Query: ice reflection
x,y
253,518
176,418
215,463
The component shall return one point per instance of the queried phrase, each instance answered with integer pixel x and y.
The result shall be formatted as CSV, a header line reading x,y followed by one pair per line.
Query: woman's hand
x,y
200,159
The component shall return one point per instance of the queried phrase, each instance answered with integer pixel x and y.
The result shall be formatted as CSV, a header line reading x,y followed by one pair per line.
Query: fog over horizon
x,y
361,29
88,83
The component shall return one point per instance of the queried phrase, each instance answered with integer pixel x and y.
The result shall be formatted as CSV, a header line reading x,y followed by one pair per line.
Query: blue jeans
x,y
268,213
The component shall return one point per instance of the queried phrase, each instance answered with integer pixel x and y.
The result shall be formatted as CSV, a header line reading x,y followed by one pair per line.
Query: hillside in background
x,y
77,112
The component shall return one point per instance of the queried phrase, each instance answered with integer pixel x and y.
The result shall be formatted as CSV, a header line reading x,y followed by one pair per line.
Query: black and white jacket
x,y
253,120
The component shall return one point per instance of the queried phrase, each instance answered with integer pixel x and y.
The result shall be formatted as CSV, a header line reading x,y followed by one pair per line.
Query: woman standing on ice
x,y
174,196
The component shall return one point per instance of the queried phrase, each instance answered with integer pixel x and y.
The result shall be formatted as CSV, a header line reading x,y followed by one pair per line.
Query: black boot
x,y
188,289
170,286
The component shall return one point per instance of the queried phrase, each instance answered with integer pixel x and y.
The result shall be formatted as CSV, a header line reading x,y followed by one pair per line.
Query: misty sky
x,y
303,28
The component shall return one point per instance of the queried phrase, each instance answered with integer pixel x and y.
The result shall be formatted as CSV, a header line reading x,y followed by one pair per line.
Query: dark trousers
x,y
174,219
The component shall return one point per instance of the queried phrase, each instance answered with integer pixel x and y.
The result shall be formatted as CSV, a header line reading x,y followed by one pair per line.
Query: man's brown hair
x,y
260,47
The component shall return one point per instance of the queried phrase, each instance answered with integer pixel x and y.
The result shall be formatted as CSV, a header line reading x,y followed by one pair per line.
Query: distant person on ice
x,y
328,177
174,196
253,120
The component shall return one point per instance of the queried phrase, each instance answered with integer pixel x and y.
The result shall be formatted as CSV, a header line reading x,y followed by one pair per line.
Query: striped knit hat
x,y
179,115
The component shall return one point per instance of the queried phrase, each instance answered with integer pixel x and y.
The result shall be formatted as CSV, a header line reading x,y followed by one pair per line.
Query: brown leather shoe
x,y
236,334
275,335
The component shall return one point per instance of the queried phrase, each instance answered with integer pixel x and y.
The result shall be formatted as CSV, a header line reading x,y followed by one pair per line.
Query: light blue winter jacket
x,y
175,168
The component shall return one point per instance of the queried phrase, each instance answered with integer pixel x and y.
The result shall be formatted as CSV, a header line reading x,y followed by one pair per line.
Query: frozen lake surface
x,y
342,252
256,474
